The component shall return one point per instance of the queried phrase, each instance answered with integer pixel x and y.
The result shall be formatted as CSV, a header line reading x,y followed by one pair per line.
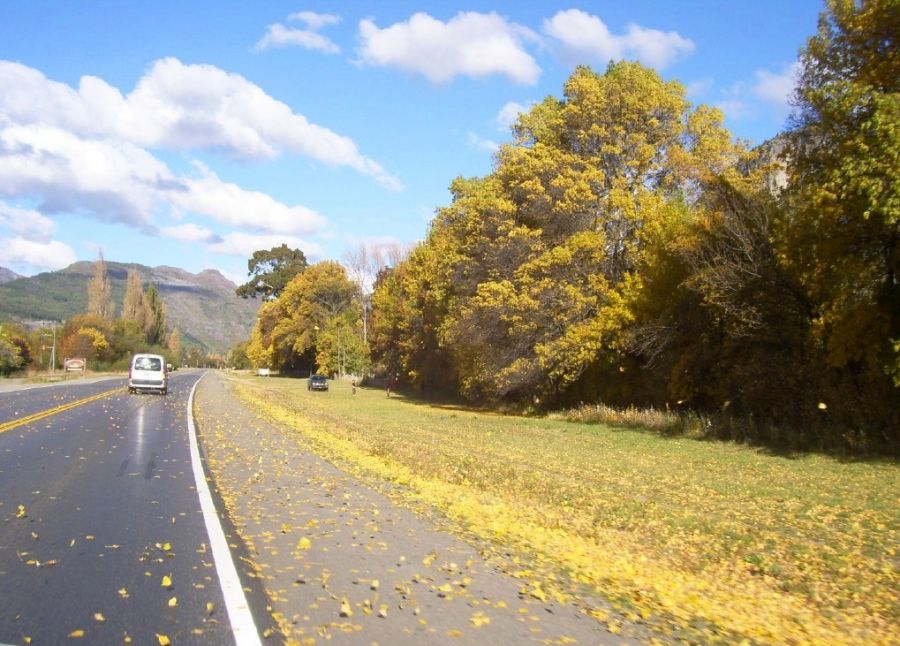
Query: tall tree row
x,y
626,249
100,302
97,337
526,283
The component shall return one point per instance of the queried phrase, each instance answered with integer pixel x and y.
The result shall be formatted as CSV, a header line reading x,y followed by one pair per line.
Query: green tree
x,y
125,337
842,237
340,349
843,227
410,303
286,333
13,349
237,356
271,271
154,316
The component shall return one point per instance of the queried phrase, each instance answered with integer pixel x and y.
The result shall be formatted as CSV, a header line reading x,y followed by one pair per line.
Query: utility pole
x,y
51,364
53,353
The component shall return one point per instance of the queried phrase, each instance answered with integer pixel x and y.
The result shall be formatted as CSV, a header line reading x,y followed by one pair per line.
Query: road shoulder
x,y
340,561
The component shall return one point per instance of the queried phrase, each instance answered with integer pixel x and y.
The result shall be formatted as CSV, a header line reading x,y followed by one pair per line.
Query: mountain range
x,y
203,306
7,275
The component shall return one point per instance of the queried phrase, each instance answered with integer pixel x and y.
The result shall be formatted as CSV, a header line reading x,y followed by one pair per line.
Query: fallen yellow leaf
x,y
76,634
479,619
166,581
21,512
346,610
173,602
163,640
98,616
304,543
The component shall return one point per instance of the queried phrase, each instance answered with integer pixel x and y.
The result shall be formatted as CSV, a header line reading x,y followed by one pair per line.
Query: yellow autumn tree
x,y
544,251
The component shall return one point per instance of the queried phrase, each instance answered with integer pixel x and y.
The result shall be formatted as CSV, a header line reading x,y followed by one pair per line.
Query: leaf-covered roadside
x,y
704,541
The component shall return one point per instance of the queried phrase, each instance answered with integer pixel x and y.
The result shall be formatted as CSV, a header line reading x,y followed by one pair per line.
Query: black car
x,y
317,382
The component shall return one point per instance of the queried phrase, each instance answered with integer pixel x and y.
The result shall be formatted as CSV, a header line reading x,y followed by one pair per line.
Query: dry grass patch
x,y
705,540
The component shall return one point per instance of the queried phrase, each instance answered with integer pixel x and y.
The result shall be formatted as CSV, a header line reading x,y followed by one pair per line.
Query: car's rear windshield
x,y
148,363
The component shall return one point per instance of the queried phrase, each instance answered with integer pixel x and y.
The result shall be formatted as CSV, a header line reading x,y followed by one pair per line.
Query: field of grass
x,y
704,541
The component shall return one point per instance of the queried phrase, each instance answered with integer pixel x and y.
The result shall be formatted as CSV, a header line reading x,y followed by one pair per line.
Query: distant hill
x,y
202,306
7,275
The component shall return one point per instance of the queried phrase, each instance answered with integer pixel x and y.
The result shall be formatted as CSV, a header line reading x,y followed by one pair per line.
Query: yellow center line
x,y
28,419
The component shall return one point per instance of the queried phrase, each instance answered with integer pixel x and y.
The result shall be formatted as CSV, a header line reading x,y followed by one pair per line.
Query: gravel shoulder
x,y
341,563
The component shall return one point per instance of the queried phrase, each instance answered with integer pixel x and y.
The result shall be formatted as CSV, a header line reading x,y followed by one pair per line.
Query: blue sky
x,y
192,133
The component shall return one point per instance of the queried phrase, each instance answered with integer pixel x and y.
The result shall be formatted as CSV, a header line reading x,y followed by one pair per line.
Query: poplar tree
x,y
155,316
99,292
133,308
175,345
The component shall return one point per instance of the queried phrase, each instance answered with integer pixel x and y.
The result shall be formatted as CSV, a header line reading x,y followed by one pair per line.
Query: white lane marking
x,y
242,624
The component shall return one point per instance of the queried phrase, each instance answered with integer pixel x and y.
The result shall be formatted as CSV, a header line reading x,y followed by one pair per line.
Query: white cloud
x,y
244,244
699,88
121,182
28,224
481,143
53,254
777,89
315,21
228,203
584,35
179,107
509,113
113,181
736,109
189,232
278,35
469,44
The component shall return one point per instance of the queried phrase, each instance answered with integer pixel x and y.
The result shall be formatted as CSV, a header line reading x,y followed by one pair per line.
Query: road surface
x,y
101,532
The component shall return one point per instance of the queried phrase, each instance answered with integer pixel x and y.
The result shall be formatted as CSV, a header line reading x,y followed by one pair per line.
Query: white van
x,y
148,372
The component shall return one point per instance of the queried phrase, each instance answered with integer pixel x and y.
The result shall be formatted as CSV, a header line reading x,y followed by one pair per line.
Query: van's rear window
x,y
147,363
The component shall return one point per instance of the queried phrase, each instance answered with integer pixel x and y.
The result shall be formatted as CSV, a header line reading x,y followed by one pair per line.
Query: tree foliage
x,y
842,238
154,316
133,307
842,225
11,358
271,270
100,292
626,249
175,346
287,331
528,275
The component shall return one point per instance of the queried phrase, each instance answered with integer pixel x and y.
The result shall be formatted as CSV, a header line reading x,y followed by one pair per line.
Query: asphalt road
x,y
101,535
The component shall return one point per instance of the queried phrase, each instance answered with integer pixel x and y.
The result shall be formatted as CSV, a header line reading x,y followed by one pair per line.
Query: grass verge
x,y
705,541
